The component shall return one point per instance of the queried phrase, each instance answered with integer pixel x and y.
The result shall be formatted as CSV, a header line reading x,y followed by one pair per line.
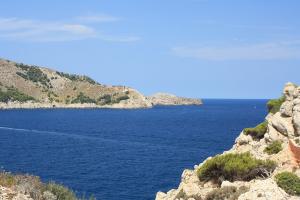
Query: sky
x,y
244,49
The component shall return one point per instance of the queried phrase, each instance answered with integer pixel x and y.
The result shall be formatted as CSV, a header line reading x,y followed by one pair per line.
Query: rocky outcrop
x,y
170,99
282,126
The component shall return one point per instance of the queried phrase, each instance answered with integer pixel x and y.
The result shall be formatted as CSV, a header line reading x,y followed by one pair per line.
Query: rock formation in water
x,y
27,86
262,164
170,99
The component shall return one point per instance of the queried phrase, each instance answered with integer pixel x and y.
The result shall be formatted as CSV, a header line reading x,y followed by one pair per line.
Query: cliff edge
x,y
262,164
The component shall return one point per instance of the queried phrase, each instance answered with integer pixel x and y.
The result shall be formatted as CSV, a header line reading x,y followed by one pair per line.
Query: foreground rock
x,y
281,128
170,99
27,187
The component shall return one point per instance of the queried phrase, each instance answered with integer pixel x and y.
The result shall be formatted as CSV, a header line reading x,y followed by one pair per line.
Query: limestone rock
x,y
286,109
264,190
283,125
289,91
243,139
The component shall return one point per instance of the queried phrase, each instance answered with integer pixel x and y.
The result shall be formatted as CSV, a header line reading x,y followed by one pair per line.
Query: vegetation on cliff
x,y
233,167
273,148
274,104
227,192
36,189
289,182
257,132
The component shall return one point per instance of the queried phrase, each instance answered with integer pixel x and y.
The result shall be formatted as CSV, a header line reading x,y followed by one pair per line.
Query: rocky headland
x,y
166,99
263,163
28,86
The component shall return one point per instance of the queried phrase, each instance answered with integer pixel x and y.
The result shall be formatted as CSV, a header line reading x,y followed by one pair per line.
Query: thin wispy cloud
x,y
261,51
56,31
98,18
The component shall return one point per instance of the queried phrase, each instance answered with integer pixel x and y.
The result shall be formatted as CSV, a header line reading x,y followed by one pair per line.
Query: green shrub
x,y
257,132
234,167
12,94
274,104
81,98
273,148
289,182
228,192
61,192
7,179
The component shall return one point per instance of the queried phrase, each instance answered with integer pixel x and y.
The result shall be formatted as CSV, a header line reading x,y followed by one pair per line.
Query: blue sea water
x,y
121,154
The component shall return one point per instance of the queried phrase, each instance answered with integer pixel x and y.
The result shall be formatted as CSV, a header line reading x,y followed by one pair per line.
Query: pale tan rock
x,y
264,190
286,109
284,125
243,139
289,91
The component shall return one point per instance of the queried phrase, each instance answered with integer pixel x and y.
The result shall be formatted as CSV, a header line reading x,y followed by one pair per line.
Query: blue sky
x,y
195,48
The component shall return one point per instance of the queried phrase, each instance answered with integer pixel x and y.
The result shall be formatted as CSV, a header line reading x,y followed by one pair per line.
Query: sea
x,y
116,154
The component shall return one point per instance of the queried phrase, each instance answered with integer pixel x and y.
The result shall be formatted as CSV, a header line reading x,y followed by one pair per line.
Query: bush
x,y
12,94
289,182
228,192
7,179
234,167
274,104
61,192
81,98
257,132
273,148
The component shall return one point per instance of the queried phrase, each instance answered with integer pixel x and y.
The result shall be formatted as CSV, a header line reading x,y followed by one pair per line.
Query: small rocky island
x,y
263,164
170,99
28,86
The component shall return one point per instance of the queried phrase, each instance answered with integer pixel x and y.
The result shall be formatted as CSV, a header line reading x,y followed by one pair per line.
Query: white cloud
x,y
98,18
261,51
53,31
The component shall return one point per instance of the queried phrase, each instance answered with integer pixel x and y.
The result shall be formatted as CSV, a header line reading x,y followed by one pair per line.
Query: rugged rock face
x,y
27,86
170,99
282,126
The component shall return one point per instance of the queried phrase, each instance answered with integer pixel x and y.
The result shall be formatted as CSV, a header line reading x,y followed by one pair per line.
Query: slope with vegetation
x,y
29,86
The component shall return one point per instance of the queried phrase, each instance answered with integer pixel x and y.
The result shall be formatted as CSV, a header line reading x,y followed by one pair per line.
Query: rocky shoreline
x,y
125,104
274,141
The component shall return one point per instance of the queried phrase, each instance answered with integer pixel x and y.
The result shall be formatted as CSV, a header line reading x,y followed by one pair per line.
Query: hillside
x,y
27,86
263,163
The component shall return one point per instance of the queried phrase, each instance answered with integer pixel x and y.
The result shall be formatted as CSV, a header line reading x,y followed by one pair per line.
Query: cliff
x,y
28,86
262,164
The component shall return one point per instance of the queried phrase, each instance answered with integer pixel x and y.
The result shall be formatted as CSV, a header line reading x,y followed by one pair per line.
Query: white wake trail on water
x,y
86,137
